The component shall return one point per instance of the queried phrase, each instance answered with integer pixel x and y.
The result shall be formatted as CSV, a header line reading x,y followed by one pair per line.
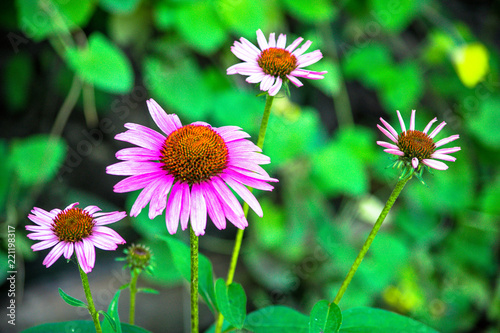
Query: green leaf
x,y
199,25
41,19
36,159
163,274
364,319
311,11
330,85
366,63
80,326
102,64
18,75
119,7
148,291
325,317
109,324
231,302
244,17
112,315
484,125
71,300
229,101
402,86
333,161
178,87
181,255
394,16
276,319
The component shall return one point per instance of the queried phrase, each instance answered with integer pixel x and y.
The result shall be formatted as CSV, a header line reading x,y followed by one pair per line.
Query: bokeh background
x,y
73,72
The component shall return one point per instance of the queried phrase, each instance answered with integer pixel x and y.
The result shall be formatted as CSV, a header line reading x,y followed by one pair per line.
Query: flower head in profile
x,y
188,170
273,64
74,230
417,149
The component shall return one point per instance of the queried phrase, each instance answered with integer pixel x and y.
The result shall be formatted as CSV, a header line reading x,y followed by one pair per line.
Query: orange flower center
x,y
194,153
416,144
277,62
72,225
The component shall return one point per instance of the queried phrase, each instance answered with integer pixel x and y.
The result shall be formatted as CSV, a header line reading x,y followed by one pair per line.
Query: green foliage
x,y
181,259
36,159
70,300
231,302
325,317
276,319
102,64
18,73
80,326
379,321
112,317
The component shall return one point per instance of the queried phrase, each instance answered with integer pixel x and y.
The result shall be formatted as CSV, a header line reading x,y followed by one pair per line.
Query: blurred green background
x,y
73,72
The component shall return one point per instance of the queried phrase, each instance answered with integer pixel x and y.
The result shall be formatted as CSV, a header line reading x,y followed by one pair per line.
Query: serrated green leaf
x,y
181,256
102,64
231,302
364,319
70,300
276,319
200,26
41,19
325,317
37,158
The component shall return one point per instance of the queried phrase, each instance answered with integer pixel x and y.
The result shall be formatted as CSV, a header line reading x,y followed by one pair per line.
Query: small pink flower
x,y
415,147
273,64
188,170
74,230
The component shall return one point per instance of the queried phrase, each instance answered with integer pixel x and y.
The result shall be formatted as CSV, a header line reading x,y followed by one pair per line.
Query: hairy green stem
x,y
394,195
239,234
194,280
133,292
90,301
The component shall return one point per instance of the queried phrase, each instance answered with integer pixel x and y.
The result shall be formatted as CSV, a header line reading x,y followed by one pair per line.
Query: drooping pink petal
x,y
54,254
435,164
198,210
172,213
214,208
185,205
244,193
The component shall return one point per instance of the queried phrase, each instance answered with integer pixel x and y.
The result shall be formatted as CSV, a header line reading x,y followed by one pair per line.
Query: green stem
x,y
194,280
133,292
90,301
239,234
68,105
394,195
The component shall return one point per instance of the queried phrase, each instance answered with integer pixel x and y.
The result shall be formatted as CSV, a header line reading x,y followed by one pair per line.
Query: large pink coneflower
x,y
187,171
273,64
416,148
74,230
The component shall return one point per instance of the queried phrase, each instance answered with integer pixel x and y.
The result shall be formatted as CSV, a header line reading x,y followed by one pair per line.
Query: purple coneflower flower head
x,y
273,63
417,148
74,230
187,171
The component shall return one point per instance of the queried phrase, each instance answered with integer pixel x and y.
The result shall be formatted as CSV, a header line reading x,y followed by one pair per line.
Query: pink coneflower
x,y
192,165
415,147
274,64
74,230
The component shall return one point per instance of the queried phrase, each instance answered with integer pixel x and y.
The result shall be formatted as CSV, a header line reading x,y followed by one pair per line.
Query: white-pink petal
x,y
435,164
198,210
449,139
437,130
401,122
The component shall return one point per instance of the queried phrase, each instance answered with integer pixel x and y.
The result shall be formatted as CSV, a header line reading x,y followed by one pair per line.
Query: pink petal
x,y
394,152
54,254
272,40
109,218
412,120
302,49
164,121
449,139
309,58
244,193
68,250
448,150
294,80
275,87
214,208
387,145
389,128
44,244
233,210
296,43
414,162
185,205
173,209
427,128
261,39
129,168
435,164
198,210
138,182
387,133
437,130
444,157
401,122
